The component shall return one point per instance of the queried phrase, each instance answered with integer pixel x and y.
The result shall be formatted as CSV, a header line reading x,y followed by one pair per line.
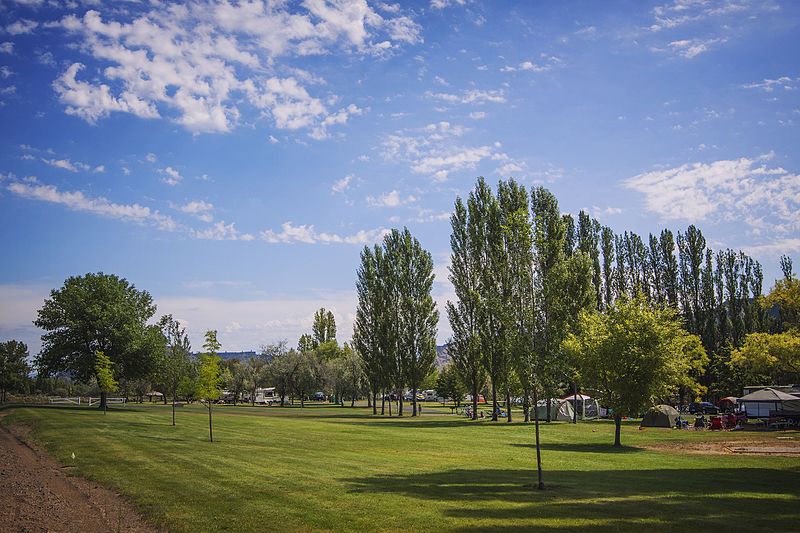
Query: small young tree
x,y
449,385
103,368
633,355
13,366
175,364
209,376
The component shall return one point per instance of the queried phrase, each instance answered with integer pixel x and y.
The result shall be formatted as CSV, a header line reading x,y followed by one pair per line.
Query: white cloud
x,y
470,96
77,201
437,150
222,232
442,165
690,48
529,66
197,63
151,158
5,72
681,12
441,4
743,189
342,184
93,102
477,115
200,209
66,164
769,85
173,177
6,47
390,199
22,26
309,235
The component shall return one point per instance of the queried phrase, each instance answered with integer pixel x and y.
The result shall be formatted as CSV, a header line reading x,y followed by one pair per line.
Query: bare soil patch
x,y
774,445
37,495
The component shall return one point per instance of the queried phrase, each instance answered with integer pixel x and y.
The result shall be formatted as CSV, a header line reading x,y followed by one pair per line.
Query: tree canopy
x,y
13,366
633,355
98,312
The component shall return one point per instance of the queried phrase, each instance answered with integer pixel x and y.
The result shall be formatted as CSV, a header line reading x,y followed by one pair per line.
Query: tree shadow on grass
x,y
581,447
604,500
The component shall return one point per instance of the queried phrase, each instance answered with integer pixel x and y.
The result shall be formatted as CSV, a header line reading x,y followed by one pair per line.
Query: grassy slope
x,y
340,469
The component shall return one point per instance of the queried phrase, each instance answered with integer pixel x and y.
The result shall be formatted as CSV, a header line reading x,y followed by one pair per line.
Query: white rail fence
x,y
57,400
77,400
109,401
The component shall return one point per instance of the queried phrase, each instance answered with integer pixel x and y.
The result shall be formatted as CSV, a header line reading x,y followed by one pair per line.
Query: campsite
x,y
329,468
369,265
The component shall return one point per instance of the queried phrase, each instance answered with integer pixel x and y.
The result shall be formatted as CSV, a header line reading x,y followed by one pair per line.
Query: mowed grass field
x,y
326,468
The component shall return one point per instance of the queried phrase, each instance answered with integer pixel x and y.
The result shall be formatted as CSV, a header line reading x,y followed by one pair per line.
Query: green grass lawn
x,y
324,468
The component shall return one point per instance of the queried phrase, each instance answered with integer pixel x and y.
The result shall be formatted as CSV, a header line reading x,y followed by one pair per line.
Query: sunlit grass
x,y
324,468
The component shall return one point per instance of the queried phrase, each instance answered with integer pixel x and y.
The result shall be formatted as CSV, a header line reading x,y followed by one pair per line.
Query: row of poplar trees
x,y
396,318
522,272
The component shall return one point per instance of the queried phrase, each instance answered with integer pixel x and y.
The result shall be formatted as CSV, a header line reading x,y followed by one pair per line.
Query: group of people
x,y
729,421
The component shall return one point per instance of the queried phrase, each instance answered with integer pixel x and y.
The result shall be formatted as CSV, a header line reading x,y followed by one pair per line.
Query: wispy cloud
x,y
745,189
222,232
78,201
767,85
390,199
342,184
470,96
307,234
437,150
200,209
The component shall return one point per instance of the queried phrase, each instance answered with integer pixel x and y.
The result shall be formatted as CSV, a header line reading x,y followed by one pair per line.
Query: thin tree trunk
x,y
210,427
508,406
390,406
540,486
494,403
414,401
574,403
103,400
475,404
173,409
383,403
618,424
526,405
400,406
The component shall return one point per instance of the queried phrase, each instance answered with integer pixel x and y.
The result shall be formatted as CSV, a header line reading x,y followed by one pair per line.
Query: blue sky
x,y
233,158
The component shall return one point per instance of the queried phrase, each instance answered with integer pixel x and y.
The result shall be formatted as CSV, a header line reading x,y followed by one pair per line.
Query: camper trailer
x,y
430,395
267,396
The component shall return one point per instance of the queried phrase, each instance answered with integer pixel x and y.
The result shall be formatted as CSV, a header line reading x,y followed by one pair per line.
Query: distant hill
x,y
242,356
442,357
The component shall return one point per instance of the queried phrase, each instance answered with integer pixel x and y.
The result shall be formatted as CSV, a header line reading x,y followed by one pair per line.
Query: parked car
x,y
705,408
318,397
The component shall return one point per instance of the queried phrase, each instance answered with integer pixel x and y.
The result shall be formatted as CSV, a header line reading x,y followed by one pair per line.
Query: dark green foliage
x,y
13,367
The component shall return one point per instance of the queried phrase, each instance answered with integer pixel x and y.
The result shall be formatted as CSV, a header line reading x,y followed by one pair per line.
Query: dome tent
x,y
559,410
660,416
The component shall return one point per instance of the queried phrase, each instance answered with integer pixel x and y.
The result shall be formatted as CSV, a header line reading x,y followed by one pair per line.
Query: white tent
x,y
559,410
758,404
586,406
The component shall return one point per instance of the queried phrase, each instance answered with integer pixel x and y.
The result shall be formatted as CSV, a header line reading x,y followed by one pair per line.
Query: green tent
x,y
660,416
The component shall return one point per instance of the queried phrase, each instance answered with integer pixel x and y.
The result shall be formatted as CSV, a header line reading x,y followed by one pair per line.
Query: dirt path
x,y
37,495
775,445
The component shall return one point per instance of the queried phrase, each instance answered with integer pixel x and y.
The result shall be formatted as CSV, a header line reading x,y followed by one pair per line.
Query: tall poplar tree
x,y
465,348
